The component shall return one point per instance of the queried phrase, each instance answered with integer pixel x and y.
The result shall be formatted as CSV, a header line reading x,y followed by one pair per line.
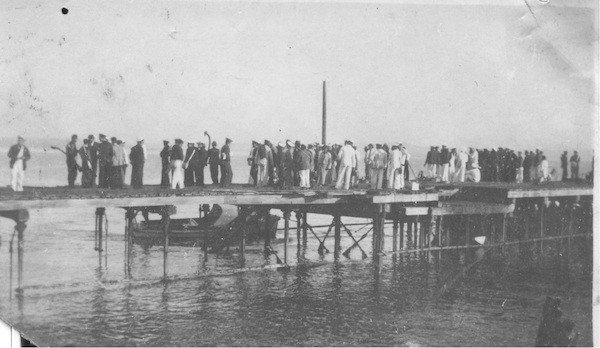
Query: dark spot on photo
x,y
64,11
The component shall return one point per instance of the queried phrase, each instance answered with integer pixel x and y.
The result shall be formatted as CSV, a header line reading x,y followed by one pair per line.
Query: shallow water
x,y
73,297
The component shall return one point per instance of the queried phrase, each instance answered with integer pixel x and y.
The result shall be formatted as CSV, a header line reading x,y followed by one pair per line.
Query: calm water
x,y
74,298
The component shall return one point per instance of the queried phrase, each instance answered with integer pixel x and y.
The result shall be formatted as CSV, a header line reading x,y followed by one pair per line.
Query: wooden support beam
x,y
409,233
100,213
402,234
298,226
304,229
378,238
542,227
395,234
337,220
504,233
166,213
286,234
20,255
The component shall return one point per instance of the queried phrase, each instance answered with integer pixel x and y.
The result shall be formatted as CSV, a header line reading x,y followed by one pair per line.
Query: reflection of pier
x,y
436,218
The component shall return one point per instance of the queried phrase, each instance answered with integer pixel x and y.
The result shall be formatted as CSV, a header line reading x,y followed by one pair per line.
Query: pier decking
x,y
433,218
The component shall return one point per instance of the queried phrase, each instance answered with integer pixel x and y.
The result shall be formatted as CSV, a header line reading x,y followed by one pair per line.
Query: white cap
x,y
140,138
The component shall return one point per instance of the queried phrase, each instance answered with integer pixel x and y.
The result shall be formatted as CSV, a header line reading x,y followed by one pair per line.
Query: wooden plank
x,y
460,208
405,197
552,192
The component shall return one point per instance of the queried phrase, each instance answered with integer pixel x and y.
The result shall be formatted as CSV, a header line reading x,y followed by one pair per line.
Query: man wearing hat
x,y
87,174
165,155
118,163
137,157
445,161
202,161
190,164
395,177
574,161
214,162
105,154
226,172
19,155
378,162
347,160
271,153
93,148
287,166
253,163
177,165
72,166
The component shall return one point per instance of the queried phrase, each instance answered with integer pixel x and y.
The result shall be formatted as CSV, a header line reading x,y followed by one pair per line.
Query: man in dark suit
x,y
93,155
226,172
201,163
72,166
137,157
165,156
105,154
214,161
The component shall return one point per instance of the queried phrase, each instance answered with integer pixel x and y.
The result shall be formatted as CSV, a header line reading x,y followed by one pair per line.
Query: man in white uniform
x,y
347,158
19,155
394,168
378,165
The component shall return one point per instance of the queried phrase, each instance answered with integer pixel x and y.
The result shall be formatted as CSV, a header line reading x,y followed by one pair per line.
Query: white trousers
x,y
262,176
459,176
304,178
17,176
344,177
395,179
519,177
445,168
377,178
178,174
432,168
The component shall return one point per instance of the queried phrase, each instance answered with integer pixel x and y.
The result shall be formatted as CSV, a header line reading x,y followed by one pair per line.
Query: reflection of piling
x,y
286,235
100,216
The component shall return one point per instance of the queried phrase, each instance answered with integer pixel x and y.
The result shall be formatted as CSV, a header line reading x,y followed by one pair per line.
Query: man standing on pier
x,y
105,153
378,165
165,155
213,161
287,166
93,148
72,167
177,164
137,157
19,155
87,174
117,161
564,164
575,165
226,172
201,163
347,163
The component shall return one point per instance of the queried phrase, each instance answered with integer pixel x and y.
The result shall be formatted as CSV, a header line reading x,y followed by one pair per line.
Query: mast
x,y
324,130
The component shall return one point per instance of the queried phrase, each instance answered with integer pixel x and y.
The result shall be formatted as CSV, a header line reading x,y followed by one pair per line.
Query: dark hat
x,y
86,141
166,142
113,139
91,136
378,146
178,141
227,140
214,143
101,136
297,143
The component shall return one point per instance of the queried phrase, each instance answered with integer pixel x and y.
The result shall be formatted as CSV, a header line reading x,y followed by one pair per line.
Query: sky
x,y
468,73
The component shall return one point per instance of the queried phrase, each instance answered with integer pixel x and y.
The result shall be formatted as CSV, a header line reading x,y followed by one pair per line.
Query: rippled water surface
x,y
72,297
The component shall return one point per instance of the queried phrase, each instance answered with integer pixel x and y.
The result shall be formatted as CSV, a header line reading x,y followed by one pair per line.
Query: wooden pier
x,y
437,217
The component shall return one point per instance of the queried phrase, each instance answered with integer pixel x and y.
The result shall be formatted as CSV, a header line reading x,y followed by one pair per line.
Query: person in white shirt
x,y
378,162
394,173
347,159
19,155
473,174
461,166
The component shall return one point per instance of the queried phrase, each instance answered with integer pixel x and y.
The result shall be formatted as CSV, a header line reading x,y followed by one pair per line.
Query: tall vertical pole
x,y
324,130
338,235
304,229
286,232
20,245
166,215
395,234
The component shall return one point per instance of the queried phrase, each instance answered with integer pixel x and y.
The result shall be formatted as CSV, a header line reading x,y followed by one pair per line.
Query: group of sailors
x,y
496,164
291,164
326,165
181,169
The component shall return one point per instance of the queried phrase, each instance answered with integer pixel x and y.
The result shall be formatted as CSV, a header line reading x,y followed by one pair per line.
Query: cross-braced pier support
x,y
20,217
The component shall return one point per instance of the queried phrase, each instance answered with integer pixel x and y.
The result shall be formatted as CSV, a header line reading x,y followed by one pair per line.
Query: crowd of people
x,y
496,164
291,164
